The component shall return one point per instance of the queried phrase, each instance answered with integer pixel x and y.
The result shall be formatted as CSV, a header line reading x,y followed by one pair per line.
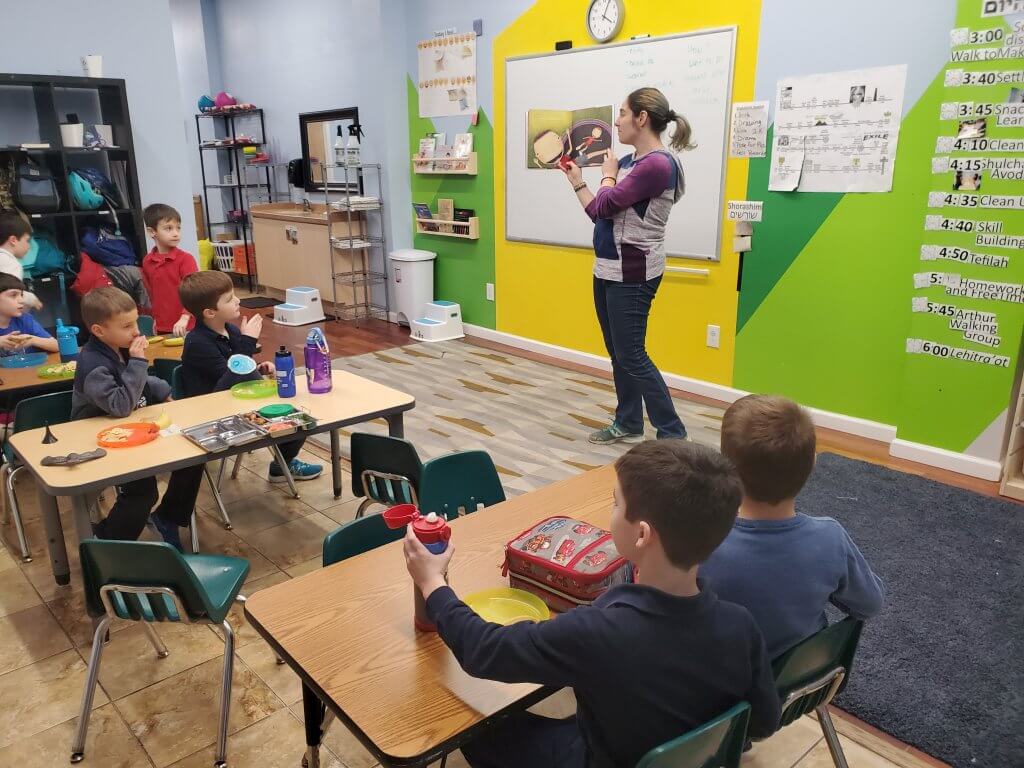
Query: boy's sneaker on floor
x,y
169,531
300,470
613,433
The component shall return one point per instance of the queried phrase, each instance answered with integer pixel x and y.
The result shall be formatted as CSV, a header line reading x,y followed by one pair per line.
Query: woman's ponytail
x,y
653,102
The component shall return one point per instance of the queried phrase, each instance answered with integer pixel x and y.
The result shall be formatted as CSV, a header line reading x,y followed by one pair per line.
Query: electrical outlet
x,y
714,336
490,291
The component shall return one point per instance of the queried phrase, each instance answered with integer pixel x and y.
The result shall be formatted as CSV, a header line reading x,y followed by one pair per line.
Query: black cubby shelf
x,y
45,100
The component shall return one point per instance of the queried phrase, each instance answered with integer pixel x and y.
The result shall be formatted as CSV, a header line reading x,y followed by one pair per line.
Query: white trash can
x,y
412,282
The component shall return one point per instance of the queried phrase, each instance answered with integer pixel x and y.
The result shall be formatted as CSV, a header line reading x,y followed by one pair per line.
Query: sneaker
x,y
169,531
613,433
299,470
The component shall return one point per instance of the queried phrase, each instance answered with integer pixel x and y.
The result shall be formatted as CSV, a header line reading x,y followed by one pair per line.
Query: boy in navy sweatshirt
x,y
112,379
648,661
784,566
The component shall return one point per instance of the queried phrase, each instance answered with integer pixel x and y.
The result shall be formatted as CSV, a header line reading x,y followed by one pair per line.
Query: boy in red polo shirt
x,y
163,269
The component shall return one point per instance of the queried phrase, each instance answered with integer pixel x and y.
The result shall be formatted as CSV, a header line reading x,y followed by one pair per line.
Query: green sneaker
x,y
613,433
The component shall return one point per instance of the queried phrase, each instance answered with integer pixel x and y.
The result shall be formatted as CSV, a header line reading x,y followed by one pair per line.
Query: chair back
x,y
357,537
459,481
177,385
813,672
717,744
146,325
385,469
157,583
36,412
163,368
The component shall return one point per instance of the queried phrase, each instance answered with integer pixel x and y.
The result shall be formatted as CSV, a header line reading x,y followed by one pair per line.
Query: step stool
x,y
302,306
442,322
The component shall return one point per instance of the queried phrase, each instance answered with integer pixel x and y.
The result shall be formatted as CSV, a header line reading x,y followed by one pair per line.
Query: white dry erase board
x,y
694,70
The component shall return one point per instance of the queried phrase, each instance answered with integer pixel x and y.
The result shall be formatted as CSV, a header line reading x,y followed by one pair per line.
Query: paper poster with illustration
x,y
556,137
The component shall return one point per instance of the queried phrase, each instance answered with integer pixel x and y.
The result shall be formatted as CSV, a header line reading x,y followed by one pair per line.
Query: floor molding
x,y
872,430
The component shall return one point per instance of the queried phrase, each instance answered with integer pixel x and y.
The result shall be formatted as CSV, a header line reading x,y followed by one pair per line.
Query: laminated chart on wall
x,y
837,132
447,75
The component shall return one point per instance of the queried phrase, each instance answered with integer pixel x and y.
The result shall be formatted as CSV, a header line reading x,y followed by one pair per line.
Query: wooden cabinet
x,y
294,251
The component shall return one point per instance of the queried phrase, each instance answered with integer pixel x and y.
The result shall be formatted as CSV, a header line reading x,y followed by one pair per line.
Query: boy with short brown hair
x,y
784,566
15,242
648,661
163,269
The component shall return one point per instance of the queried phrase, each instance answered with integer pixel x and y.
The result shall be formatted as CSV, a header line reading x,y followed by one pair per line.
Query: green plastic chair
x,y
146,325
150,582
177,386
31,413
459,483
164,368
717,744
812,673
385,470
357,537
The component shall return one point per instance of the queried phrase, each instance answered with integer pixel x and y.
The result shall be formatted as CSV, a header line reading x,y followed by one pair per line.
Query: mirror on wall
x,y
319,131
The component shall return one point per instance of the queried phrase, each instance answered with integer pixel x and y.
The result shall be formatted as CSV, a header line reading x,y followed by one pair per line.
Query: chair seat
x,y
221,577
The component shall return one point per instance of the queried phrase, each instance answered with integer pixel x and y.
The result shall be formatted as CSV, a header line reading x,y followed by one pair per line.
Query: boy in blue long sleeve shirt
x,y
784,566
647,661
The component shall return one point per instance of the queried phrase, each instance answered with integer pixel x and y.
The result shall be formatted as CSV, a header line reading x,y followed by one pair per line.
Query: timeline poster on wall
x,y
848,125
447,75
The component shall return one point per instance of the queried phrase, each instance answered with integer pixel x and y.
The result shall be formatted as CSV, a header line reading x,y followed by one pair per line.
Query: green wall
x,y
463,267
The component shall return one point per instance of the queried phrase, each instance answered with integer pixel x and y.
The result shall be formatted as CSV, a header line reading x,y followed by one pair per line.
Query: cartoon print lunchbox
x,y
565,562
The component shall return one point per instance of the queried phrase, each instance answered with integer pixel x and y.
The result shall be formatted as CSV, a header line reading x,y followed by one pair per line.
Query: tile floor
x,y
162,712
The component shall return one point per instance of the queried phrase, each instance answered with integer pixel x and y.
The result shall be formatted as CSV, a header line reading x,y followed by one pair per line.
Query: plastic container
x,y
353,152
412,282
285,372
317,358
67,341
433,531
339,148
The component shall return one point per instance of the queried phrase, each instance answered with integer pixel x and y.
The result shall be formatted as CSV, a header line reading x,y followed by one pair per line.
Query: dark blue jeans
x,y
525,739
622,310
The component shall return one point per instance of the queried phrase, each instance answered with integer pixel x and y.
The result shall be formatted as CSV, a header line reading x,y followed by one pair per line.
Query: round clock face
x,y
604,19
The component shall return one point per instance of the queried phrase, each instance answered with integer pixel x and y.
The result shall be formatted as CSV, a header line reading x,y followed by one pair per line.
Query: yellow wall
x,y
545,292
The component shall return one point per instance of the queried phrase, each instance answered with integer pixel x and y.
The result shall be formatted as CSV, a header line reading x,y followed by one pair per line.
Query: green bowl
x,y
254,390
275,410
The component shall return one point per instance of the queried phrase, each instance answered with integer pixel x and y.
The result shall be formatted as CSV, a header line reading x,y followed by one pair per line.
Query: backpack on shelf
x,y
108,248
49,258
35,190
89,188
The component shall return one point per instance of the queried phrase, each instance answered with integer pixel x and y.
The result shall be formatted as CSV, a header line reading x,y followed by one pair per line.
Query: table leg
x,y
336,462
54,537
396,424
313,716
83,520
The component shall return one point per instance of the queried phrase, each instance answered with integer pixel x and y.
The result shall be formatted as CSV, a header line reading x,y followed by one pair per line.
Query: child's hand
x,y
252,326
267,368
426,568
9,342
138,347
181,327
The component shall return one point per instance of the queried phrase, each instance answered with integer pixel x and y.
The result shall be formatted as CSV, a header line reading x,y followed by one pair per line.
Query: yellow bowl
x,y
505,605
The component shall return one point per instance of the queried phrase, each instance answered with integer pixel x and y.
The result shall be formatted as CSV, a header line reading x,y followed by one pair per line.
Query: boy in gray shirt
x,y
784,567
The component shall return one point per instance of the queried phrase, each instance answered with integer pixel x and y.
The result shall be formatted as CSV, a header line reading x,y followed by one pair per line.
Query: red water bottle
x,y
433,532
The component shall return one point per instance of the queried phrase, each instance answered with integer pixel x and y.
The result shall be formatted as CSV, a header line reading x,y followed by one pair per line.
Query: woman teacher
x,y
630,211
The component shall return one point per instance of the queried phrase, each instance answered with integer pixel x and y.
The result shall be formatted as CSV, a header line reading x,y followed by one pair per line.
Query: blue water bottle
x,y
67,341
285,366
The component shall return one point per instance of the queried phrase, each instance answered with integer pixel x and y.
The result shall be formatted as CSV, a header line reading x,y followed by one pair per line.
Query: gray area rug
x,y
942,667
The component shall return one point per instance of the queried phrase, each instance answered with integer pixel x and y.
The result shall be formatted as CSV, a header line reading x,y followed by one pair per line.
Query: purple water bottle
x,y
318,362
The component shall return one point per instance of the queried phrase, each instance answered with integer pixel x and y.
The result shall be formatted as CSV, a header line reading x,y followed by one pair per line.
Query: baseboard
x,y
885,433
985,469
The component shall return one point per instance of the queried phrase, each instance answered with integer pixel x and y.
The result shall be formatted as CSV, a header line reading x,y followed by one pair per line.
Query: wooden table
x,y
347,631
18,380
353,399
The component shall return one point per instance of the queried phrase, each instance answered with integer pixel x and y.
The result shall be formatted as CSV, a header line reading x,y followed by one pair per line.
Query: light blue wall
x,y
797,35
325,54
193,74
138,47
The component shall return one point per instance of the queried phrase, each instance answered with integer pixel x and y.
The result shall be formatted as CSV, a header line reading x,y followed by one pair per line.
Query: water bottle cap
x,y
431,529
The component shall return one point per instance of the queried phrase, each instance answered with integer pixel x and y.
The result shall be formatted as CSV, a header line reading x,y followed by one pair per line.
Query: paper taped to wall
x,y
749,129
744,210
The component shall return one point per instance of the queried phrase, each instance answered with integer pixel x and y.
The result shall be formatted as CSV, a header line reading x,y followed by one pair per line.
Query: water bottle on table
x,y
285,366
67,341
317,357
